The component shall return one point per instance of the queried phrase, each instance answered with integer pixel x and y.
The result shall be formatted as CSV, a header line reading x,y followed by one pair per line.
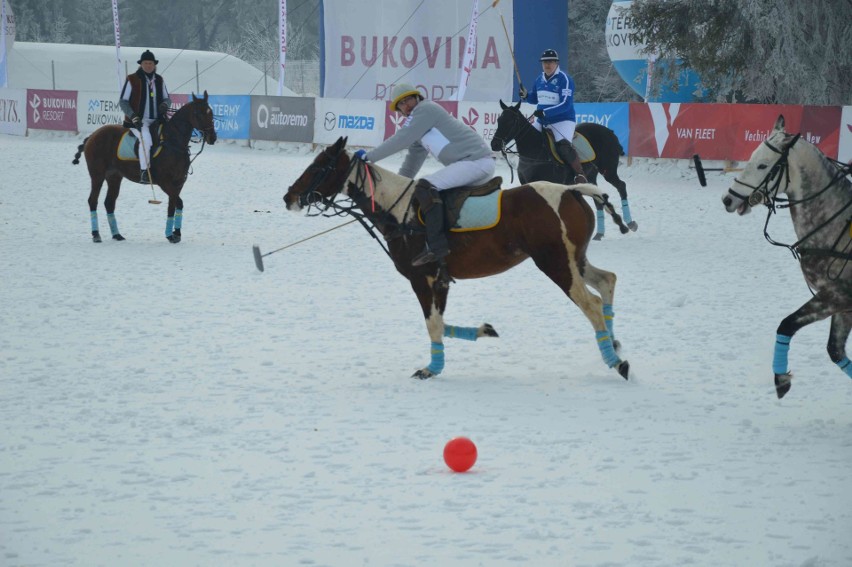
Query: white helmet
x,y
401,91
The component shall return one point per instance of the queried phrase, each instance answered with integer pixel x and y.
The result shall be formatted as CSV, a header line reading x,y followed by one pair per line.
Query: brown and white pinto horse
x,y
169,169
550,223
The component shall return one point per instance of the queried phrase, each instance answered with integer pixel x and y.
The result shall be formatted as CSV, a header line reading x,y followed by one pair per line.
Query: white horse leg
x,y
841,324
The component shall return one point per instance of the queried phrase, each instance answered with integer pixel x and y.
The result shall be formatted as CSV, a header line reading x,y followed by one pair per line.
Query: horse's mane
x,y
388,187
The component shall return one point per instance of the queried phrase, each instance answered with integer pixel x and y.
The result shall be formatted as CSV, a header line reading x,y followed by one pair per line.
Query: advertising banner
x,y
52,110
363,121
231,115
96,109
282,118
394,120
844,152
370,45
724,131
13,117
613,115
481,117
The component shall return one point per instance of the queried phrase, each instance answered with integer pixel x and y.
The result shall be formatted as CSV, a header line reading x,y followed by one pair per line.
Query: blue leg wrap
x,y
601,224
609,314
113,224
93,216
782,347
178,218
437,364
625,211
607,350
845,365
170,226
465,333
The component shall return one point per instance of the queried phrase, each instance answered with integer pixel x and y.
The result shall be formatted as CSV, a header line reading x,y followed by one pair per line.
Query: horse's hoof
x,y
632,225
174,237
486,330
598,236
118,237
624,369
423,374
783,382
96,236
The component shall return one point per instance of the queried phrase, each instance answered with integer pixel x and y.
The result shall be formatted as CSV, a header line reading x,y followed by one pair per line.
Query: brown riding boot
x,y
432,207
569,156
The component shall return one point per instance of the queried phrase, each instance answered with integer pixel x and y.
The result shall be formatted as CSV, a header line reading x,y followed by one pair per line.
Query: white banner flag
x,y
3,76
282,35
469,52
117,44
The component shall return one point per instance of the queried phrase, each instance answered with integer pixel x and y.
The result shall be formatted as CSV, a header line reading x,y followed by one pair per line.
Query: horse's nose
x,y
726,200
494,145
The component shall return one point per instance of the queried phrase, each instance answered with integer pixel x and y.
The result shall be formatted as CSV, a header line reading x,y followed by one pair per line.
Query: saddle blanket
x,y
477,213
584,148
127,148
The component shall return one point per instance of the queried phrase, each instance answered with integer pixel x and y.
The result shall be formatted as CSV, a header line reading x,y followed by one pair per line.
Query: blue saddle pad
x,y
127,147
479,213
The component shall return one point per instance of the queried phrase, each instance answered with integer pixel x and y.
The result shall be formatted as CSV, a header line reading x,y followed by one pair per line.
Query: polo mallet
x,y
153,200
700,169
258,257
511,51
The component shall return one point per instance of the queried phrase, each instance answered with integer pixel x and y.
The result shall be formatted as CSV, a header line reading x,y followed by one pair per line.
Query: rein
x,y
318,205
766,192
519,130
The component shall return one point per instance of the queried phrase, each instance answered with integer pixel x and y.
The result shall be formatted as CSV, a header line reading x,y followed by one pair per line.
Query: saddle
x,y
461,214
584,149
128,145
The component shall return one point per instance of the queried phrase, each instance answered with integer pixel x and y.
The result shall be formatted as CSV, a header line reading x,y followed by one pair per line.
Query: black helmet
x,y
147,56
549,55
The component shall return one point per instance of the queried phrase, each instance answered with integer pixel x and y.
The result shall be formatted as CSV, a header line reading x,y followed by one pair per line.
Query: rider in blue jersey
x,y
553,93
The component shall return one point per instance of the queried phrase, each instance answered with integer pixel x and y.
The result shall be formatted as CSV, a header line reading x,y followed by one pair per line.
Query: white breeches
x,y
462,173
561,130
144,152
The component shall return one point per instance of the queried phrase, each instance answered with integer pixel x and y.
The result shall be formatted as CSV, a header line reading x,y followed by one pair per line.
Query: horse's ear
x,y
205,96
194,98
340,143
517,106
779,124
503,105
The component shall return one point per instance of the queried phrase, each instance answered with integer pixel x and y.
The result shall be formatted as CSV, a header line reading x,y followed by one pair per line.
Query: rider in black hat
x,y
144,100
553,92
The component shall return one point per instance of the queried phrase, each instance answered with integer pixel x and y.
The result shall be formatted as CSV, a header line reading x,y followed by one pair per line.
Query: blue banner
x,y
538,25
232,116
613,115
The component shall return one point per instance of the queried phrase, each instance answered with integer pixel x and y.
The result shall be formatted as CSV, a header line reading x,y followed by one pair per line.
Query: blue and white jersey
x,y
554,96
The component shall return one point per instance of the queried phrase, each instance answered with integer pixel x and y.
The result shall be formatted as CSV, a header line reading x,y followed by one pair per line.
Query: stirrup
x,y
427,257
580,178
145,177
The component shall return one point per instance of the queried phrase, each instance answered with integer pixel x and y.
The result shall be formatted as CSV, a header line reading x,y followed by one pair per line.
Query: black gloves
x,y
136,120
522,92
163,108
539,114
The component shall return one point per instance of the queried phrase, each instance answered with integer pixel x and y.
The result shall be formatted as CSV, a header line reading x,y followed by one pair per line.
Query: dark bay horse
x,y
169,169
550,223
819,196
536,161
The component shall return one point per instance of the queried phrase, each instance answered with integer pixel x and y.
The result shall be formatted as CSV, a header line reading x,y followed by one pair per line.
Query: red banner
x,y
394,120
52,110
725,131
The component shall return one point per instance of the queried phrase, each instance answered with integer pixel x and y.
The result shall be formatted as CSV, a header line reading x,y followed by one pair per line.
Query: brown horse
x,y
169,169
550,223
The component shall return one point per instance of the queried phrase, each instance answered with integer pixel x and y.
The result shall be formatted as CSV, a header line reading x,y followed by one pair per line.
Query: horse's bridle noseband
x,y
762,193
310,196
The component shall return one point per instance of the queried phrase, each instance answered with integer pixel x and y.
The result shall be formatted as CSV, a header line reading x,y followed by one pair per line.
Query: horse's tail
x,y
602,198
76,159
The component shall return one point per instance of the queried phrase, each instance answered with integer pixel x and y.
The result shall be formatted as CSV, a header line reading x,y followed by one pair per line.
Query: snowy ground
x,y
169,404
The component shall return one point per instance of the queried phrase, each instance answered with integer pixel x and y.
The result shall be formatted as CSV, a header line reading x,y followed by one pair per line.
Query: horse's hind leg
x,y
600,221
841,323
113,187
97,183
603,282
561,266
820,306
611,175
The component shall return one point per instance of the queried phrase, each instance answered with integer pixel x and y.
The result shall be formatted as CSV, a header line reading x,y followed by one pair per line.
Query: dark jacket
x,y
139,86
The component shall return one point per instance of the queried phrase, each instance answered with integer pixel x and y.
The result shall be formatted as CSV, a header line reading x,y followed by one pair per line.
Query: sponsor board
x,y
52,110
368,46
481,117
362,121
282,118
613,115
13,111
96,109
231,115
724,131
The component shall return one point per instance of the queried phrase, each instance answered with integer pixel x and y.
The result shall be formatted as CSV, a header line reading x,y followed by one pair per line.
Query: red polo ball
x,y
460,454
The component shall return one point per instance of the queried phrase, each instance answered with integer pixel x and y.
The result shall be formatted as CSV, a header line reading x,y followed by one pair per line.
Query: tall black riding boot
x,y
569,156
432,208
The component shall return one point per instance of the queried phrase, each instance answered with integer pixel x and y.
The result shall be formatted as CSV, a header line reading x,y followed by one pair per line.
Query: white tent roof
x,y
93,68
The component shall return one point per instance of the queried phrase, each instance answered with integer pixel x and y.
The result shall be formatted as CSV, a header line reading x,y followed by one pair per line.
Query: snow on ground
x,y
169,404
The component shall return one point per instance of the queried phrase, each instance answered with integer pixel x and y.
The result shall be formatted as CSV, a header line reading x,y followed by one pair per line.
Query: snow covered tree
x,y
792,52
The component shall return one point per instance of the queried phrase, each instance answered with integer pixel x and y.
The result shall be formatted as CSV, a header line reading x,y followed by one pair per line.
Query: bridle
x,y
762,193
